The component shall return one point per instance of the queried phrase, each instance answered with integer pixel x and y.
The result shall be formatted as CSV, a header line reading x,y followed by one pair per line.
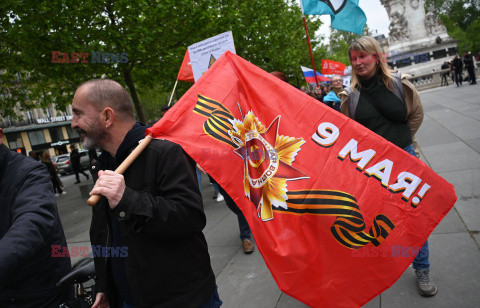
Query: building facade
x,y
40,130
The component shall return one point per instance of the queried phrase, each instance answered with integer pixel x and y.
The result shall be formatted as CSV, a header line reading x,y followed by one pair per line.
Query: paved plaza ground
x,y
449,139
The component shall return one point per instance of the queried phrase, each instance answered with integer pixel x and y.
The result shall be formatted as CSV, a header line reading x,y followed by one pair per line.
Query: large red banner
x,y
330,67
337,212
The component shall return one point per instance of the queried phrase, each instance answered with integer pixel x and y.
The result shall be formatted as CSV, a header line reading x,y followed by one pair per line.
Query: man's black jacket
x,y
457,65
29,226
75,160
161,219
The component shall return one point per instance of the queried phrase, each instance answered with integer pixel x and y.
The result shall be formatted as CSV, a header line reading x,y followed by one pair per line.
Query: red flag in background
x,y
337,212
330,67
185,73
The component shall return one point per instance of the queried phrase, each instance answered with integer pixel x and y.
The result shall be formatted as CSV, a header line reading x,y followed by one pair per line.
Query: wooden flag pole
x,y
310,48
171,96
125,164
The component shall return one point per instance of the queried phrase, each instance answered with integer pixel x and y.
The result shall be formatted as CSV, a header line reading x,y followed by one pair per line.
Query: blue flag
x,y
346,15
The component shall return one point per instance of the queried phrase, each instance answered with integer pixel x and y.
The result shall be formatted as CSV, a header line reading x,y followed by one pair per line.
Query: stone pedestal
x,y
418,43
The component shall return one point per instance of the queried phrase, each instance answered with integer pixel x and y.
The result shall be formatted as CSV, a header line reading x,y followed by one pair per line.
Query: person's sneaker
x,y
220,198
425,285
57,195
64,192
247,246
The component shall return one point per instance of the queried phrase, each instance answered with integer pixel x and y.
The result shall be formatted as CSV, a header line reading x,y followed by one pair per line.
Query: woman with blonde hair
x,y
53,174
390,106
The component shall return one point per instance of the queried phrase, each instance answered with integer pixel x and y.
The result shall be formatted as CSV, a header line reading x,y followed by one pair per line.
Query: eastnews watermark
x,y
98,251
394,251
92,57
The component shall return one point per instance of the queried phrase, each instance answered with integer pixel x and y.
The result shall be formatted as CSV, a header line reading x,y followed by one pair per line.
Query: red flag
x,y
337,212
185,73
330,67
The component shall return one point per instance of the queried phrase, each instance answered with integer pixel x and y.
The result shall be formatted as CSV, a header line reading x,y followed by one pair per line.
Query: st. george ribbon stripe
x,y
349,226
219,119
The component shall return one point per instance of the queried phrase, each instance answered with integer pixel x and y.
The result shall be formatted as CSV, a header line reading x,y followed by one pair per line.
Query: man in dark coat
x,y
147,228
76,166
457,67
29,227
470,67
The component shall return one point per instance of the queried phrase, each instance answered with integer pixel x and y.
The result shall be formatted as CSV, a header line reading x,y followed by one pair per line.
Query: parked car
x,y
64,165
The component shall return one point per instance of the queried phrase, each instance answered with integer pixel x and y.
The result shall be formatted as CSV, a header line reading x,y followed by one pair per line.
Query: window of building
x,y
452,51
72,133
439,54
30,116
56,133
421,58
14,140
36,137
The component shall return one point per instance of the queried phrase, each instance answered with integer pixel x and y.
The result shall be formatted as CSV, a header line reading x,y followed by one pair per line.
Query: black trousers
x,y
458,77
471,73
77,170
56,185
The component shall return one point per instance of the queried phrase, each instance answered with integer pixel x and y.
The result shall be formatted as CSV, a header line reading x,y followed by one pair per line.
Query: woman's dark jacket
x,y
160,218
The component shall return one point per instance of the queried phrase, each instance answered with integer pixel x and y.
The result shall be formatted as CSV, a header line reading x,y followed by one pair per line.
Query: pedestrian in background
x,y
445,75
390,106
76,166
470,67
245,232
29,226
318,93
53,174
457,67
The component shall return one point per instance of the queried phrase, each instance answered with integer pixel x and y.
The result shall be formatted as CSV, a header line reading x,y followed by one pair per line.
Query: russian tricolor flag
x,y
310,77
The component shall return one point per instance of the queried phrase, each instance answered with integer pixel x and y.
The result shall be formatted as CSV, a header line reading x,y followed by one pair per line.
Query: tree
x,y
33,29
153,34
462,20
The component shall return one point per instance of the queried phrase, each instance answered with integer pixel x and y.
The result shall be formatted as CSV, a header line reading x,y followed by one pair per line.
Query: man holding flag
x,y
154,211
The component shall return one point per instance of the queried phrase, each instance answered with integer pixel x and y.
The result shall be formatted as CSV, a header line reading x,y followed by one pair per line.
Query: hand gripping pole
x,y
125,164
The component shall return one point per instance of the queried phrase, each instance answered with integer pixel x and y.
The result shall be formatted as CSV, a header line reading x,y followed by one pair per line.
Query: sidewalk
x,y
450,144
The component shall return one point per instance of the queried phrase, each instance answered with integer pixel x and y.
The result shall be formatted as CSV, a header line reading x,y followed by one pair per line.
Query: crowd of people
x,y
457,66
155,208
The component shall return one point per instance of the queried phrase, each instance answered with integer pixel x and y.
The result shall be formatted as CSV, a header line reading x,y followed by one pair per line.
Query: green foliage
x,y
154,34
462,20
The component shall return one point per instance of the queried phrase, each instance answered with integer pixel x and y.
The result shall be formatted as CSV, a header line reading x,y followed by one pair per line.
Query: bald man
x,y
152,214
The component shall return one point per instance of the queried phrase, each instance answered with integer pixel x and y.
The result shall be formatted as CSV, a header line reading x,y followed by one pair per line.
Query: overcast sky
x,y
377,18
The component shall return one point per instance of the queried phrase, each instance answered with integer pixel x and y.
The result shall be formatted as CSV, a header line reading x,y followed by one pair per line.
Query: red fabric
x,y
185,73
331,234
330,67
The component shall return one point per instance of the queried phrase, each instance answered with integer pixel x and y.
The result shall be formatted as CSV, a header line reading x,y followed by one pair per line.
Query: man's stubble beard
x,y
95,137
